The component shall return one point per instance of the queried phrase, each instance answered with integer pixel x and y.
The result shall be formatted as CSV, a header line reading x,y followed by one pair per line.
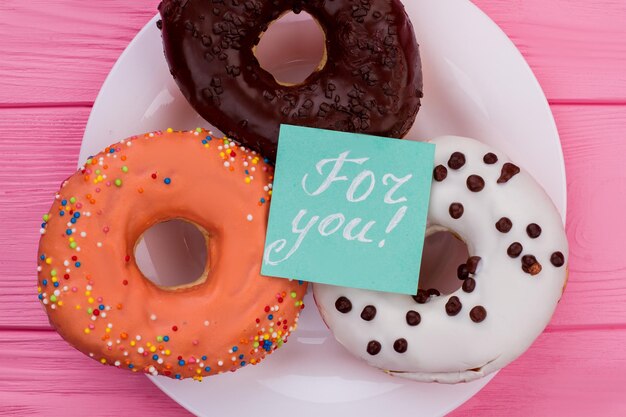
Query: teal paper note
x,y
348,209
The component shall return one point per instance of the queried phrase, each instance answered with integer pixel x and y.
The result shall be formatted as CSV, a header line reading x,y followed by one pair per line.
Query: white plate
x,y
476,84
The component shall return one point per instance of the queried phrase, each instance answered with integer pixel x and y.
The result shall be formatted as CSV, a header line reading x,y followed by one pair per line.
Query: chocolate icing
x,y
371,82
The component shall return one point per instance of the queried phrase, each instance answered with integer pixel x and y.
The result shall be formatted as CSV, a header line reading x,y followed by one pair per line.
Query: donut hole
x,y
443,253
173,254
292,48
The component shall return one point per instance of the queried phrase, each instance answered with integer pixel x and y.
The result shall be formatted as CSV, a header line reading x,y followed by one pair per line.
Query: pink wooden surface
x,y
53,59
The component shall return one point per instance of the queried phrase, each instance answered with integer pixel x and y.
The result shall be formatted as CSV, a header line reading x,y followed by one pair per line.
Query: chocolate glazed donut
x,y
370,81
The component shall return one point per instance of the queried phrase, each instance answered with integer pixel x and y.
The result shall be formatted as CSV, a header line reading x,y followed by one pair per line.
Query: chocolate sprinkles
x,y
456,161
515,249
490,158
557,259
469,285
509,170
462,272
453,306
440,173
400,345
478,314
421,297
413,318
368,313
504,225
475,183
456,210
530,265
373,347
472,264
343,305
533,230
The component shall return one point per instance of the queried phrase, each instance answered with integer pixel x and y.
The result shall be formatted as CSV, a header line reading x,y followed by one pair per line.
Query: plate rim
x,y
486,20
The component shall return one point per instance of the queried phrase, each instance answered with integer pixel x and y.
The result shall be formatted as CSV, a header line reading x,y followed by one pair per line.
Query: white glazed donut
x,y
512,281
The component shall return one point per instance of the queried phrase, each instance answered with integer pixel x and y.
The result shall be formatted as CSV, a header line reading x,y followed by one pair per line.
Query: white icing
x,y
453,349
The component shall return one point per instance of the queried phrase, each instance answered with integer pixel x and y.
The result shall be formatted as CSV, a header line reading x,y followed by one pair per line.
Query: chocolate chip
x,y
400,345
504,225
368,313
456,161
373,347
490,158
528,260
509,170
469,285
530,265
475,183
434,292
456,210
462,272
453,306
533,230
440,173
413,318
515,249
557,259
472,264
421,297
478,314
343,305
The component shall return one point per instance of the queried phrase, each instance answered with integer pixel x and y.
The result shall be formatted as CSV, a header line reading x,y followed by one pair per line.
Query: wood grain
x,y
577,48
42,147
46,377
574,374
562,368
54,57
60,52
593,145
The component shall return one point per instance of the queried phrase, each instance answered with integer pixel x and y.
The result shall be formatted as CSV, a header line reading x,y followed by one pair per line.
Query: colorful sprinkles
x,y
62,271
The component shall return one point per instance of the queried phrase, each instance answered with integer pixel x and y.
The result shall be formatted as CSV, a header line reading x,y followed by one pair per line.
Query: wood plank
x,y
42,147
593,145
49,378
573,373
577,48
60,52
581,373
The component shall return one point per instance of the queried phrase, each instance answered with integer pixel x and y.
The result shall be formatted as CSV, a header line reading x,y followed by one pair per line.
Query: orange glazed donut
x,y
99,301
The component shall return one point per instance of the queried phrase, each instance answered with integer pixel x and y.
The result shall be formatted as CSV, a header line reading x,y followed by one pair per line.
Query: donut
x,y
509,285
95,294
370,80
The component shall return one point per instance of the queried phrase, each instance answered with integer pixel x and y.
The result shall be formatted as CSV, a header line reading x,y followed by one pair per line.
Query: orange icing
x,y
99,301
